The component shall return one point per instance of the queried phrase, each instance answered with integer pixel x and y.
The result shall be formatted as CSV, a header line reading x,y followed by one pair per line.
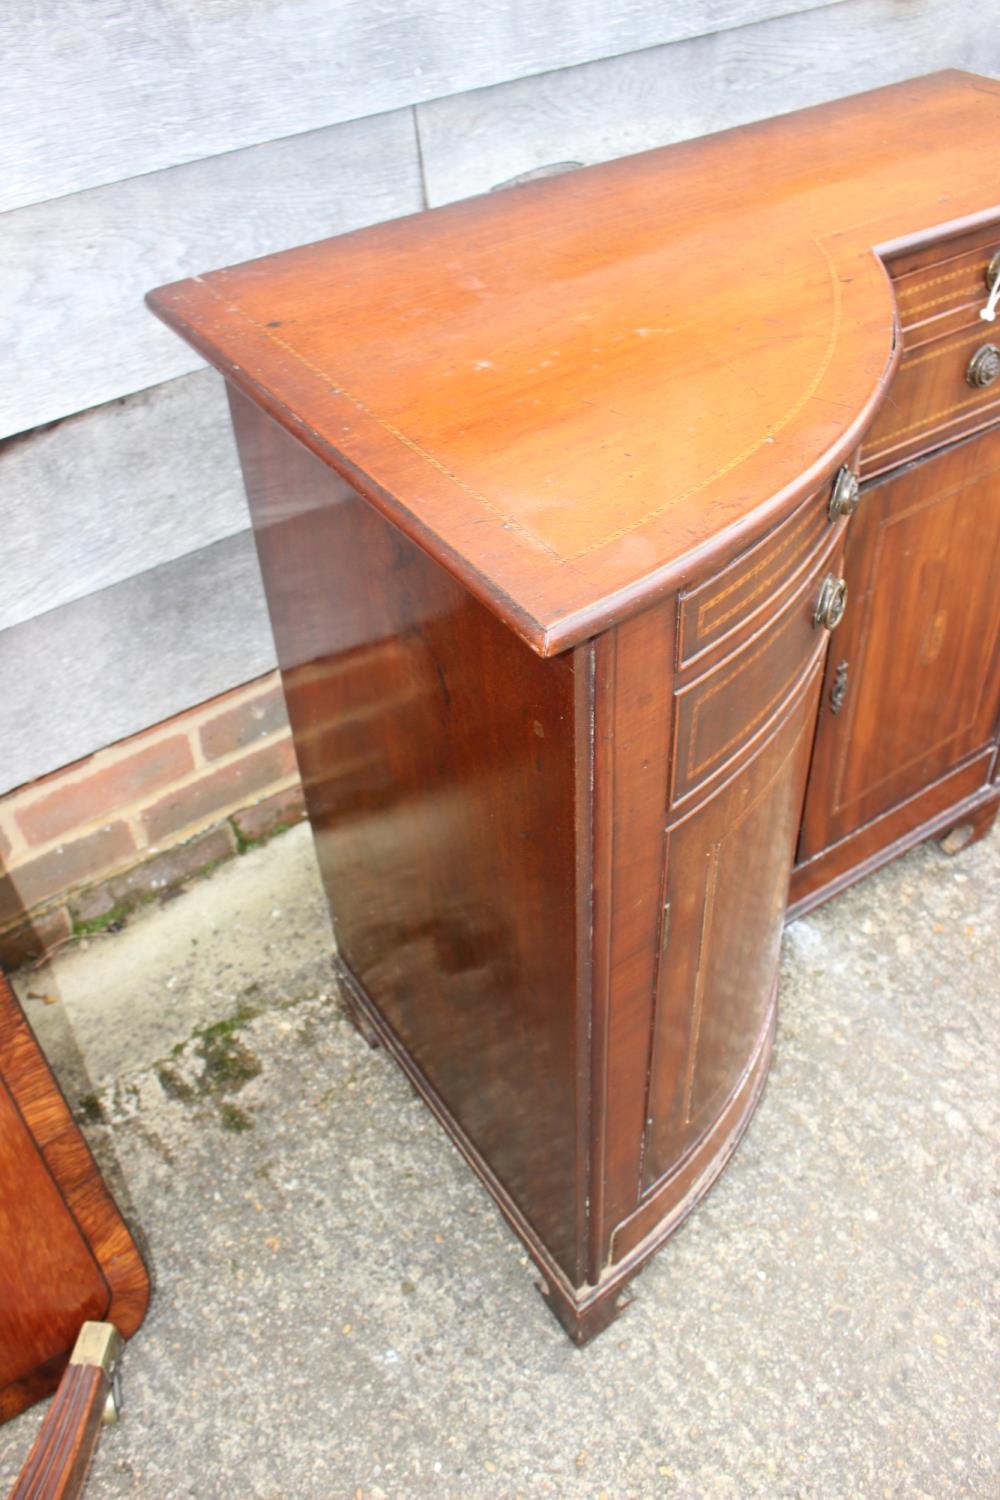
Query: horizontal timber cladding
x,y
142,153
476,141
79,333
113,492
101,668
135,89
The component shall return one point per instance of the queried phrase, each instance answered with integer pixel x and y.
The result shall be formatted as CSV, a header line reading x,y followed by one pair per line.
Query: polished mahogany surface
x,y
923,635
552,493
437,754
65,1253
939,292
576,393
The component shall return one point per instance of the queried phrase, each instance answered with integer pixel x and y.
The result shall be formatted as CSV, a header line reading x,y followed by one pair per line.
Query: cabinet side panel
x,y
438,758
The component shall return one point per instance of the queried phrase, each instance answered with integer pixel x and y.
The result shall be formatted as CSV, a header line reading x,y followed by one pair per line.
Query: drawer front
x,y
721,715
932,401
755,584
944,286
938,395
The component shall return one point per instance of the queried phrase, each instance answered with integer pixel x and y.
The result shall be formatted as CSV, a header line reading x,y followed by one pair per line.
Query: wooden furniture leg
x,y
87,1398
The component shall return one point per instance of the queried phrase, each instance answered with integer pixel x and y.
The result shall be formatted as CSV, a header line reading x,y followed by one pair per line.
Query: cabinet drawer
x,y
942,287
755,583
721,715
931,401
940,292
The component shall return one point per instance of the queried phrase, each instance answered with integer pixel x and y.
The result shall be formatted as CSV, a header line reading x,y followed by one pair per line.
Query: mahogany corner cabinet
x,y
631,540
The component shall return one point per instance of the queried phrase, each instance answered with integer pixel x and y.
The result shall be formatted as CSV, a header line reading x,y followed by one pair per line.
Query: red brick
x,y
236,728
219,790
264,818
106,791
60,869
31,940
155,876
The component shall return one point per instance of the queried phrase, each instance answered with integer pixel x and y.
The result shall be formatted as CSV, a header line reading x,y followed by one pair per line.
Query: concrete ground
x,y
340,1312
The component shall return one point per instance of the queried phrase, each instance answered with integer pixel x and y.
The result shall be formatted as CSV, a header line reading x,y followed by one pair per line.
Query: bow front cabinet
x,y
631,540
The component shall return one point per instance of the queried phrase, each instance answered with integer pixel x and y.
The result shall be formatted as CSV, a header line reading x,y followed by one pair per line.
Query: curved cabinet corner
x,y
692,980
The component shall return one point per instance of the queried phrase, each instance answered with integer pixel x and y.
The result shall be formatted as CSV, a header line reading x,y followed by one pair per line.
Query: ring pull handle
x,y
831,603
845,493
984,367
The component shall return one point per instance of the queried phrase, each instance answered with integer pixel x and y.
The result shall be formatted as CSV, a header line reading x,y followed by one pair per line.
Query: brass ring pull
x,y
984,366
844,497
831,603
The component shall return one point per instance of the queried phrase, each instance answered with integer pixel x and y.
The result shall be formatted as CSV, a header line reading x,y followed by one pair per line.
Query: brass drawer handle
x,y
844,498
984,366
831,603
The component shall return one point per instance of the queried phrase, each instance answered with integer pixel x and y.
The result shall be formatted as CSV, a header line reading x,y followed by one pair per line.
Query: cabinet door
x,y
912,686
727,883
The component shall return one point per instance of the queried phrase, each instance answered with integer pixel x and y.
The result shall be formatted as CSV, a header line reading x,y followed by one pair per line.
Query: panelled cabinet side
x,y
446,772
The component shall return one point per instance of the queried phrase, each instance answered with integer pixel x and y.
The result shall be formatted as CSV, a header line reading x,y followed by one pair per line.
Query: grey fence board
x,y
116,491
75,270
96,90
610,108
104,667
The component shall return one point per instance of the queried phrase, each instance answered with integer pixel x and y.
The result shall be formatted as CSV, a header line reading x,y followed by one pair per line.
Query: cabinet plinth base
x,y
583,1321
354,1010
884,840
971,828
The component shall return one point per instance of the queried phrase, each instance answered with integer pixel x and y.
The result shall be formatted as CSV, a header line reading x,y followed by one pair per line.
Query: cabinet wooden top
x,y
578,393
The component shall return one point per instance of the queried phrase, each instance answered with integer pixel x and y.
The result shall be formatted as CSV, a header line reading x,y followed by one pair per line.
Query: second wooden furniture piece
x,y
589,640
66,1255
87,1399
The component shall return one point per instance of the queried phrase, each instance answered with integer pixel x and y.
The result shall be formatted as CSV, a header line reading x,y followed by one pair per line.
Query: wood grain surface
x,y
85,505
922,635
574,395
66,1255
617,403
133,90
470,142
438,762
77,267
131,655
56,1467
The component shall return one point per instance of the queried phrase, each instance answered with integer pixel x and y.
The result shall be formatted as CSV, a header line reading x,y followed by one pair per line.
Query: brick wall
x,y
85,845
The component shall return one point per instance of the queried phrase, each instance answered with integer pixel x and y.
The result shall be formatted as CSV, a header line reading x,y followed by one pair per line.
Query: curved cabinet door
x,y
727,868
913,679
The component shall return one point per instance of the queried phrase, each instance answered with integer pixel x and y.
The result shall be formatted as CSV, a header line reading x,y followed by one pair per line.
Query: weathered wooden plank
x,y
75,270
96,91
103,667
116,491
476,141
